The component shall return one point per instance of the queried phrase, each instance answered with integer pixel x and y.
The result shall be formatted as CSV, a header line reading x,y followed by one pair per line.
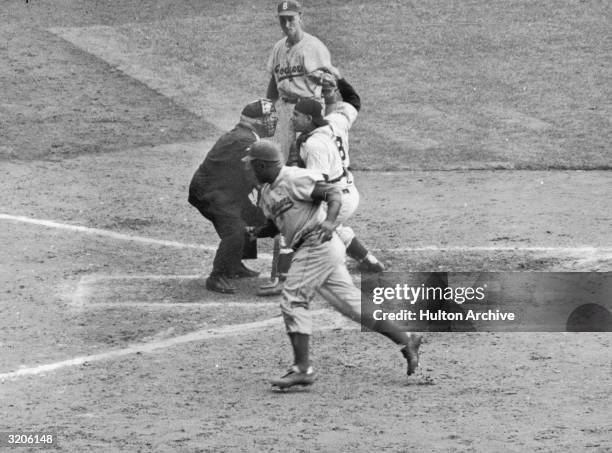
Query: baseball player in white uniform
x,y
323,145
304,208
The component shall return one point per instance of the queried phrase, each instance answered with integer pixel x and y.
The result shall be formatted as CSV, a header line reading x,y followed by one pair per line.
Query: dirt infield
x,y
109,338
93,299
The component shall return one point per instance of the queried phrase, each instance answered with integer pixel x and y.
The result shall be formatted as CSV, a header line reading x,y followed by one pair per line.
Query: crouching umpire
x,y
221,187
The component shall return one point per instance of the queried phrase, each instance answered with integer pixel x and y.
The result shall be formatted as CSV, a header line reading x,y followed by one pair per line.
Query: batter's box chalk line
x,y
121,290
324,319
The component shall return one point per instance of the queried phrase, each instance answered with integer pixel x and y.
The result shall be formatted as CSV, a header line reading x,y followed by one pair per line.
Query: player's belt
x,y
290,100
339,178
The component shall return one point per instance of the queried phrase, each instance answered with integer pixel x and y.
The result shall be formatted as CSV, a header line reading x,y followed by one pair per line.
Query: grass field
x,y
483,144
445,84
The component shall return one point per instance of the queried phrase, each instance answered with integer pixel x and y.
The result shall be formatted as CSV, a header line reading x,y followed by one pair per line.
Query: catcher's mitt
x,y
325,78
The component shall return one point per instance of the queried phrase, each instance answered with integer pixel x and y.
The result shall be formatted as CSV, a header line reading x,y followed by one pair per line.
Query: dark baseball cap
x,y
313,108
289,8
258,108
265,150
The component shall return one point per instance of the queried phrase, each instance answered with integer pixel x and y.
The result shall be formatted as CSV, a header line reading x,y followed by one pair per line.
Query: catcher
x,y
323,145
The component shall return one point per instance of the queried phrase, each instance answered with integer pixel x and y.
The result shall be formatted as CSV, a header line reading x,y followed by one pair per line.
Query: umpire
x,y
220,190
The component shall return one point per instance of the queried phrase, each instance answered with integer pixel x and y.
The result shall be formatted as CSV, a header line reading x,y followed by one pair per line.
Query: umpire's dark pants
x,y
230,219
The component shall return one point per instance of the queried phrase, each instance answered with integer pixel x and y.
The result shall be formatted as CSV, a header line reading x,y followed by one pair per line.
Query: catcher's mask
x,y
262,113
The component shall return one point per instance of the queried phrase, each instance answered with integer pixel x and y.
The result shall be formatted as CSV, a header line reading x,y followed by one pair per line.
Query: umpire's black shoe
x,y
220,284
294,377
244,272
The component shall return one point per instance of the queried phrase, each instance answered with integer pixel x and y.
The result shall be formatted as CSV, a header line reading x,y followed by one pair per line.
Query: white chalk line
x,y
113,234
459,248
580,250
83,291
199,335
160,277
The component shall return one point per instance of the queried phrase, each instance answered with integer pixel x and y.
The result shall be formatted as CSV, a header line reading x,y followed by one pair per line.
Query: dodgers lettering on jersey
x,y
290,64
326,150
289,204
288,72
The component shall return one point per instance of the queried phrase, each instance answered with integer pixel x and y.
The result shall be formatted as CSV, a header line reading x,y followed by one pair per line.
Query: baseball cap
x,y
313,108
265,150
258,108
289,8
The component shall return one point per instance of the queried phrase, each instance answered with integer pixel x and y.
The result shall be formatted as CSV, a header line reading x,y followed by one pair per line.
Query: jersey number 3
x,y
340,147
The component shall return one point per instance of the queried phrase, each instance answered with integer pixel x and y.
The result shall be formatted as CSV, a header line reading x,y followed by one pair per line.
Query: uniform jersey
x,y
290,64
289,204
326,149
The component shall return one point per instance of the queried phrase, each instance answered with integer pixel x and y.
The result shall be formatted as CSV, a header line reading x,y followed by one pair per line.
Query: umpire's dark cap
x,y
265,150
289,8
258,108
313,108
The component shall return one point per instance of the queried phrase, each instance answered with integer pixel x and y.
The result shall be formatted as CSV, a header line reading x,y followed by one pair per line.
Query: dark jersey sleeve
x,y
349,94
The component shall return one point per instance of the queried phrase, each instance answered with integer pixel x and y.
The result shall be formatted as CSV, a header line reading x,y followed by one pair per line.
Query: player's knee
x,y
297,317
346,234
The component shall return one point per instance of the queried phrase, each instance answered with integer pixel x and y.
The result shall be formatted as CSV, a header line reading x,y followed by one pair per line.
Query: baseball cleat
x,y
274,288
220,284
294,377
371,266
411,353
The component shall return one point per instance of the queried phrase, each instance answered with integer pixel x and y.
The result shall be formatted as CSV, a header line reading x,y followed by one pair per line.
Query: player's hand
x,y
326,231
324,77
253,232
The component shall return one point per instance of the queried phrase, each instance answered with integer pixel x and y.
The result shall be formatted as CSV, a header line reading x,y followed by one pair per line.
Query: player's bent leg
x,y
298,290
311,266
367,261
300,373
298,323
411,353
296,315
342,294
350,202
346,235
